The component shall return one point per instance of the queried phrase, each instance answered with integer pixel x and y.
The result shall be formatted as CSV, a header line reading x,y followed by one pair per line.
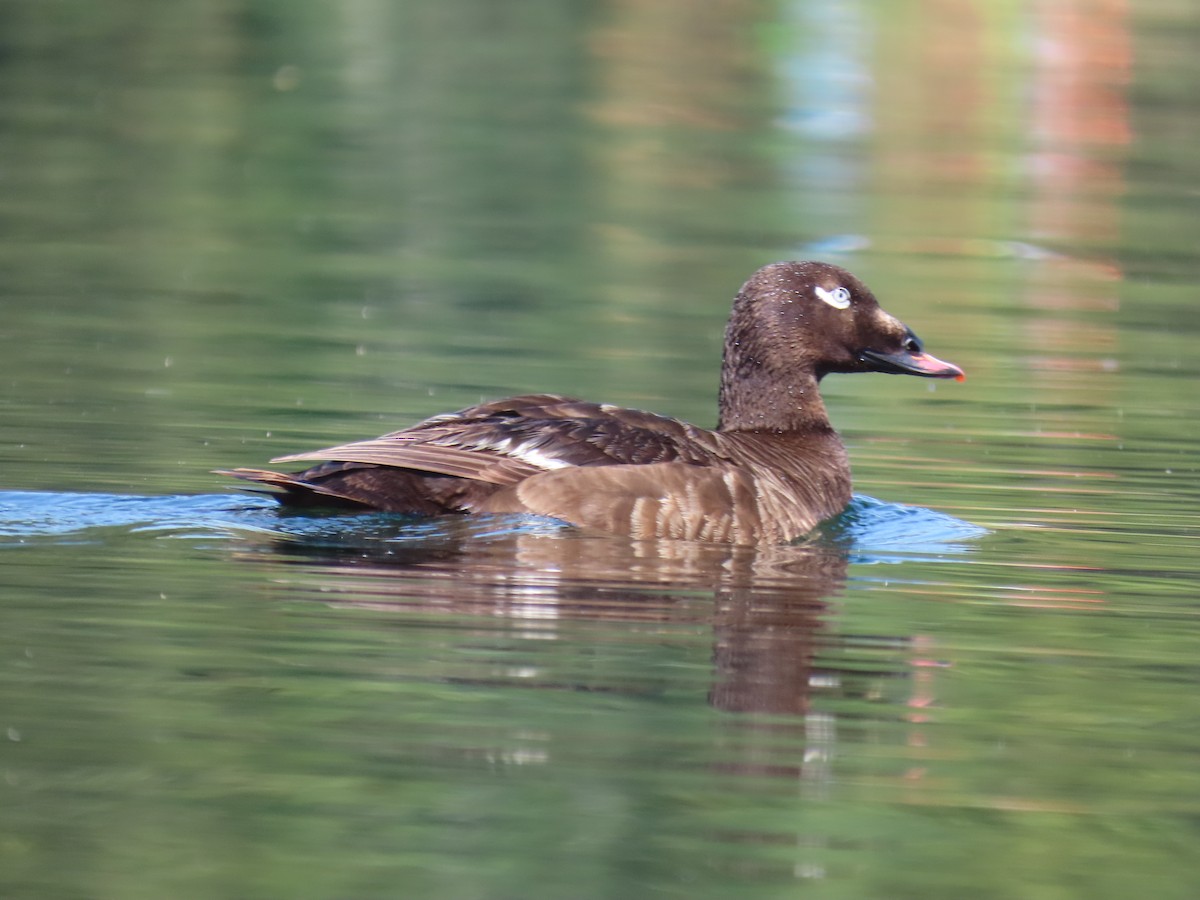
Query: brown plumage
x,y
773,468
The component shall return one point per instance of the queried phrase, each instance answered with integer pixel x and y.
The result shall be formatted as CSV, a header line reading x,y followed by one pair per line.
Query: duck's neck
x,y
753,399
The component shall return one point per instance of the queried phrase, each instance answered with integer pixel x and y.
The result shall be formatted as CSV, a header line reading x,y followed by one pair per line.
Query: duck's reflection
x,y
767,608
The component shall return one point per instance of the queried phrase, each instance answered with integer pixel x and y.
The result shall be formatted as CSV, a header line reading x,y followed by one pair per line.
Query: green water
x,y
232,231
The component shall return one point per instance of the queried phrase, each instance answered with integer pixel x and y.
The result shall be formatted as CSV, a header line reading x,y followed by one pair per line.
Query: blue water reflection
x,y
871,530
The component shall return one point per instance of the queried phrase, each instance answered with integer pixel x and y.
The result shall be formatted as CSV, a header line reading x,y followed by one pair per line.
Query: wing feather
x,y
477,465
507,441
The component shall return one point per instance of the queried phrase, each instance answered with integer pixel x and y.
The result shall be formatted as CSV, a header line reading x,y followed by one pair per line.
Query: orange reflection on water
x,y
1079,122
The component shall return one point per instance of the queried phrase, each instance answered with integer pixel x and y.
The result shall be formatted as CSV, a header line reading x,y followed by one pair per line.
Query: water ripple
x,y
875,531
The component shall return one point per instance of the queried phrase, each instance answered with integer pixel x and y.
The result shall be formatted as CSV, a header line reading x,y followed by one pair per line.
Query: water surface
x,y
233,233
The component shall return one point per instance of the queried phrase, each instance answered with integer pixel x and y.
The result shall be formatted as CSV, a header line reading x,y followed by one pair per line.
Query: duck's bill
x,y
903,362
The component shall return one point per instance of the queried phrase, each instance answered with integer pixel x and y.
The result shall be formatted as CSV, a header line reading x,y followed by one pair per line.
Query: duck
x,y
769,473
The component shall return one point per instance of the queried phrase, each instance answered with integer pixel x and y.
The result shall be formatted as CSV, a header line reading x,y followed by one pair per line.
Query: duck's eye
x,y
912,345
838,298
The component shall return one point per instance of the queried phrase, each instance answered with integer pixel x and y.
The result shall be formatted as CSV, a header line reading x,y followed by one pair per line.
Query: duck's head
x,y
795,322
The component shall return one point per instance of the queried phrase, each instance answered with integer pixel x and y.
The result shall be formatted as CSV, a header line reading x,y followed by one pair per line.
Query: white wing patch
x,y
523,451
838,298
536,457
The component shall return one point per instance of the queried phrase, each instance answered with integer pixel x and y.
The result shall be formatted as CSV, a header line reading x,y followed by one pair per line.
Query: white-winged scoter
x,y
773,468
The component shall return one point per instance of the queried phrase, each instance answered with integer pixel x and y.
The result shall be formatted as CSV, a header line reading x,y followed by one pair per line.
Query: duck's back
x,y
619,470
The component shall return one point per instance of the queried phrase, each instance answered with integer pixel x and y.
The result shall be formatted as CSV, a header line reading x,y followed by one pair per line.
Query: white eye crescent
x,y
838,298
